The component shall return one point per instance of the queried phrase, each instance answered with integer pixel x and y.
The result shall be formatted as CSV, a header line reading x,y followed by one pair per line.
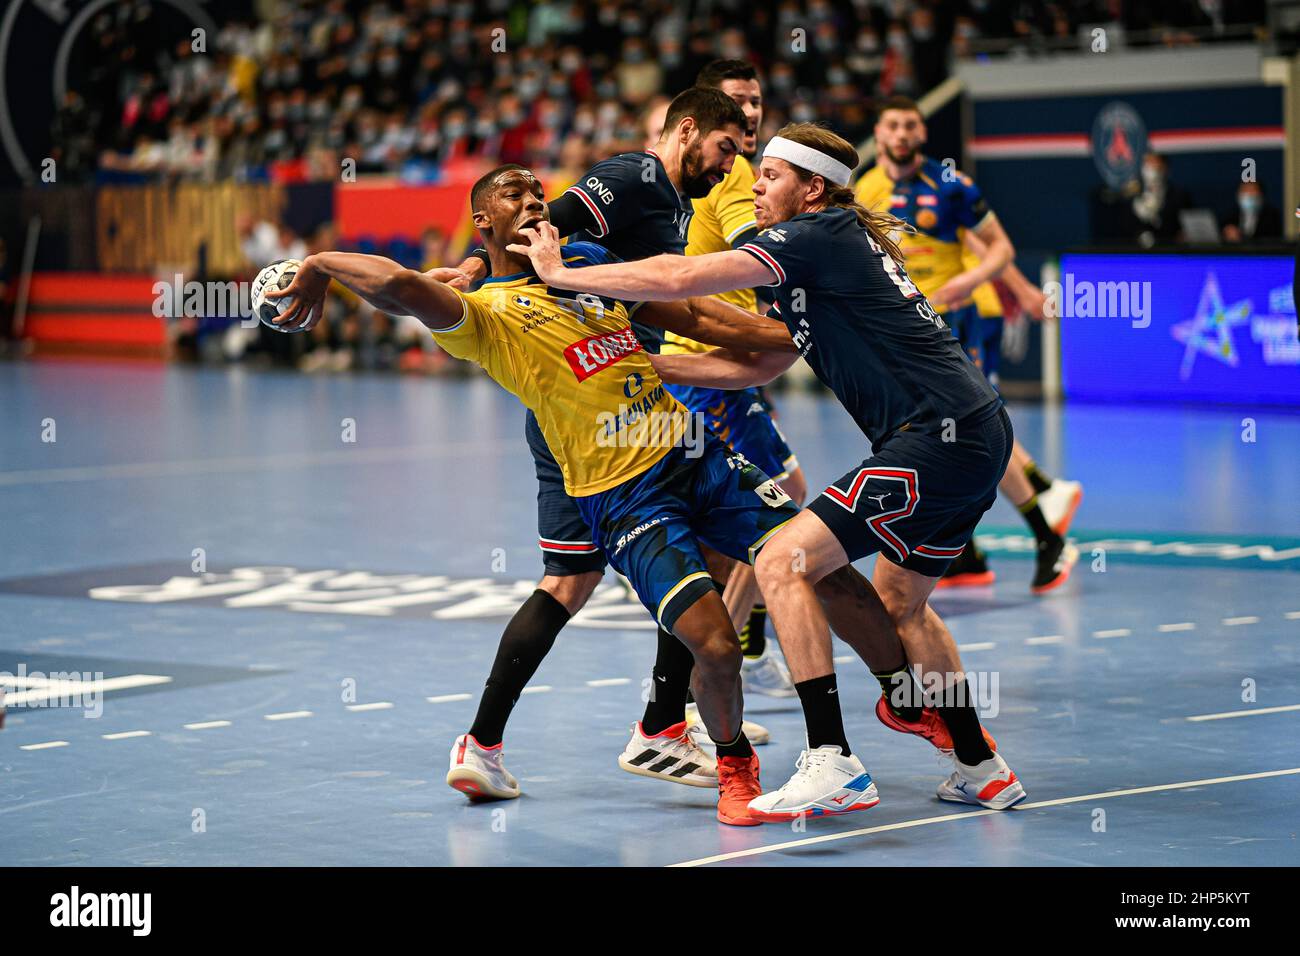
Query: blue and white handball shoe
x,y
825,783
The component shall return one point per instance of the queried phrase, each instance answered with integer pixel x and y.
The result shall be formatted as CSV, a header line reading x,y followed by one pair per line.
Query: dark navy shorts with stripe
x,y
918,499
651,526
566,542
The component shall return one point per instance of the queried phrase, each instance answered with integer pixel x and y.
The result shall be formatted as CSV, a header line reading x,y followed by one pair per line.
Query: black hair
x,y
485,181
710,108
714,73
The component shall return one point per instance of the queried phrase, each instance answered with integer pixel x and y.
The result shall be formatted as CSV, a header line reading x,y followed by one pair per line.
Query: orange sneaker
x,y
930,727
737,785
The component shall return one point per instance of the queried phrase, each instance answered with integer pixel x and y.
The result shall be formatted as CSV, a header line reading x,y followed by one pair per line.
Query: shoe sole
x,y
624,764
785,816
1019,796
749,820
476,786
982,580
1072,556
1063,525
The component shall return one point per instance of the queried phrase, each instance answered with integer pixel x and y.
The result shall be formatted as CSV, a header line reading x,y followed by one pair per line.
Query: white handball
x,y
276,276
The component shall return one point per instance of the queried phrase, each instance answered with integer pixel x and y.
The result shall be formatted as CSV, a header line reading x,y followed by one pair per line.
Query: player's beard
x,y
902,158
695,183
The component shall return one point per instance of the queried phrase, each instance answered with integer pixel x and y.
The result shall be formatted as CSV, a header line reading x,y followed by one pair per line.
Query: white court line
x,y
41,689
448,698
377,705
207,725
1246,713
609,682
1234,621
539,689
128,733
287,715
977,646
1114,632
45,746
1292,615
950,817
846,659
1169,628
1047,639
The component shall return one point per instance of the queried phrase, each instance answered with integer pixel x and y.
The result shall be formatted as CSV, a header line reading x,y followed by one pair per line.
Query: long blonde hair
x,y
881,225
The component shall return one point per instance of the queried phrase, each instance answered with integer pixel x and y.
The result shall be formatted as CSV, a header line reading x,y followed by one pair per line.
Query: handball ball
x,y
276,276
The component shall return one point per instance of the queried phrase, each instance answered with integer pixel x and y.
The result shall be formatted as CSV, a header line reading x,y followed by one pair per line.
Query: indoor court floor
x,y
286,630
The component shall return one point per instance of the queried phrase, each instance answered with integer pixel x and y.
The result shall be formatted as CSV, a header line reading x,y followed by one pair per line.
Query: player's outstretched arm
x,y
715,322
992,244
657,279
385,284
722,368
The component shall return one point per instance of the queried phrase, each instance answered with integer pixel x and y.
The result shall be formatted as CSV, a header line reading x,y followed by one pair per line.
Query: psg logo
x,y
1119,140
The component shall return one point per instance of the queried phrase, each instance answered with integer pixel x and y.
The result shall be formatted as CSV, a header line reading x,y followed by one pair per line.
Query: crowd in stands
x,y
287,87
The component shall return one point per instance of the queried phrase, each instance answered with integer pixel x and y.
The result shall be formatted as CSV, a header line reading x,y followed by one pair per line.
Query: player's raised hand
x,y
308,290
543,249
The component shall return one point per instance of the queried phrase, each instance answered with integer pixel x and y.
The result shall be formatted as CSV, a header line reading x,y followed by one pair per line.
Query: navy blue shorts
x,y
918,499
990,347
965,325
651,527
742,419
565,540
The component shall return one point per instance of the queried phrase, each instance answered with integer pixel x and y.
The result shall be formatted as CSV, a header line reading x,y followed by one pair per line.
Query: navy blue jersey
x,y
638,213
865,328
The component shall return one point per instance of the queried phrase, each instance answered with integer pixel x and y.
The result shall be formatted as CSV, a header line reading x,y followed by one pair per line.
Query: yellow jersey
x,y
573,359
938,201
725,213
985,296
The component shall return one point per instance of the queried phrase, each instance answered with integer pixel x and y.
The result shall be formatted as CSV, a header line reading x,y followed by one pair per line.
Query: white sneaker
x,y
756,733
671,755
480,772
1059,503
766,675
825,783
991,784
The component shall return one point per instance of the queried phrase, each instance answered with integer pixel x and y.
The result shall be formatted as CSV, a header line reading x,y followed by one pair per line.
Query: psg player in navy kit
x,y
940,441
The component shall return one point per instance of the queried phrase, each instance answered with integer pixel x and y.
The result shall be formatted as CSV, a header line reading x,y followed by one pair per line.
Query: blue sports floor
x,y
294,699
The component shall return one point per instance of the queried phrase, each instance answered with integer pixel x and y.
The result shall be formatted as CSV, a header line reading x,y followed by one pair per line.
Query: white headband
x,y
805,157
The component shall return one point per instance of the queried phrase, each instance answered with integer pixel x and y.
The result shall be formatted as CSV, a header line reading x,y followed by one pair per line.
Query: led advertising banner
x,y
1202,328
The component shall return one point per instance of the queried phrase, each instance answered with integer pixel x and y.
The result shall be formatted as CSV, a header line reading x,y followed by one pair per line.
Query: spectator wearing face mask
x,y
1253,219
1157,206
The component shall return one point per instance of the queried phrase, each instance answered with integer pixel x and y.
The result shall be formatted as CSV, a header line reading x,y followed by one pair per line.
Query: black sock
x,y
964,724
737,748
821,712
753,636
1033,516
1039,480
671,684
902,694
527,639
